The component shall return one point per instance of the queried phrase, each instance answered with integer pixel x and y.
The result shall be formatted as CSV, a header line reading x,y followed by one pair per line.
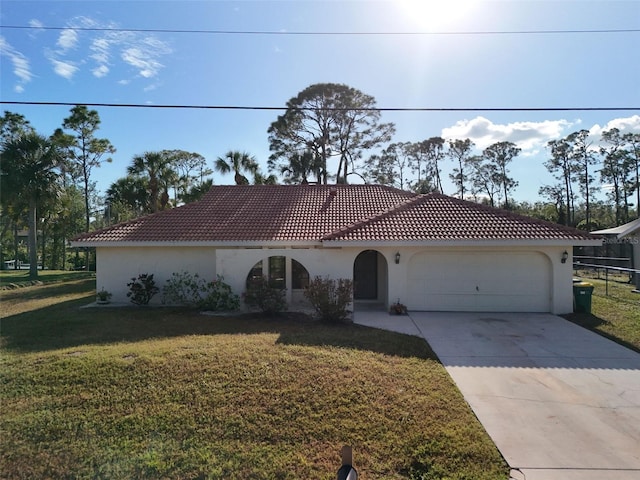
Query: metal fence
x,y
601,266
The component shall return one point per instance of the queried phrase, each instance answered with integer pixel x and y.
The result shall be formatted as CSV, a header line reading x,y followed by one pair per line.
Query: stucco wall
x,y
116,266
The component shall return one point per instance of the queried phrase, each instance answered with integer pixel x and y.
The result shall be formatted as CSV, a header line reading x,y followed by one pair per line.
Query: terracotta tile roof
x,y
258,213
288,213
439,217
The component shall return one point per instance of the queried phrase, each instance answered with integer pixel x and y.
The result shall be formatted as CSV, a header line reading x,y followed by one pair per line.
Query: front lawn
x,y
120,393
614,314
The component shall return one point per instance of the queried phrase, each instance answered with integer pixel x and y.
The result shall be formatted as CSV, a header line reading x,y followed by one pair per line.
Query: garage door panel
x,y
479,281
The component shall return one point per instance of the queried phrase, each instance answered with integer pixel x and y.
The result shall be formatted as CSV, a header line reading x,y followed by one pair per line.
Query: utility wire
x,y
322,33
335,109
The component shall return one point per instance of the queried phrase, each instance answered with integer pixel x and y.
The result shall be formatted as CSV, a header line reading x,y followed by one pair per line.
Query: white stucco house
x,y
430,252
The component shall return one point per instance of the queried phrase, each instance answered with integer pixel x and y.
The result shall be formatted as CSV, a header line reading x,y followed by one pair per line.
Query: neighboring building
x,y
430,252
628,233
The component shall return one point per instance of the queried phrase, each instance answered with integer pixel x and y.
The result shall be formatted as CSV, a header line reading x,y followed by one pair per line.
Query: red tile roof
x,y
315,213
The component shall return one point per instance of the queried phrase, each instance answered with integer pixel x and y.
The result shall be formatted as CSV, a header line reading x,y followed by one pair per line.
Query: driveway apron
x,y
559,401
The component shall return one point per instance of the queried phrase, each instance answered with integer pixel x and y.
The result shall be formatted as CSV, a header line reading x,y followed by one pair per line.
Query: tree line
x,y
329,133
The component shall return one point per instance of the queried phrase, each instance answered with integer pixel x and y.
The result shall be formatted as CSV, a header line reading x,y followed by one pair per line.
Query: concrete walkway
x,y
559,401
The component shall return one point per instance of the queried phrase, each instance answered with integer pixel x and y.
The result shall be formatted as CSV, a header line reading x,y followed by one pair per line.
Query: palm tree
x,y
131,192
156,166
29,174
301,166
237,162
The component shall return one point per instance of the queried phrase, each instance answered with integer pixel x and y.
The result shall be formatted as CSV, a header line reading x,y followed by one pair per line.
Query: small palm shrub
x,y
330,298
142,289
268,299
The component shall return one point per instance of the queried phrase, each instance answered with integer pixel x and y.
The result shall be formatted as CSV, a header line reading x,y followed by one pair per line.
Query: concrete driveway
x,y
559,401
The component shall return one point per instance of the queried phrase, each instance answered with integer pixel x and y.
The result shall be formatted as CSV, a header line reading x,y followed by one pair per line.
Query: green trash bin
x,y
582,297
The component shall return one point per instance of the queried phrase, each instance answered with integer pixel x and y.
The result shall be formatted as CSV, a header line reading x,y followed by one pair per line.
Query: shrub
x,y
219,297
269,299
142,289
330,298
183,289
193,291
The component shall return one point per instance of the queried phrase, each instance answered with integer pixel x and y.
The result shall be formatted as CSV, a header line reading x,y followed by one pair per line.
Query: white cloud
x,y
625,125
106,50
21,67
529,136
100,71
64,69
35,23
143,60
67,40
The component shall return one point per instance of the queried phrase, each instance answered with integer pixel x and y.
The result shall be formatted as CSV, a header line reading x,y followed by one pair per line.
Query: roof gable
x,y
327,213
439,217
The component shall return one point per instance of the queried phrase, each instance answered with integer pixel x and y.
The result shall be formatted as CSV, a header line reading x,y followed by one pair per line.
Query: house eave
x,y
465,243
207,243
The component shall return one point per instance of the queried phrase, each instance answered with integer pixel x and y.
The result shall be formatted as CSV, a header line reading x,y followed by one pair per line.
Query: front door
x,y
365,276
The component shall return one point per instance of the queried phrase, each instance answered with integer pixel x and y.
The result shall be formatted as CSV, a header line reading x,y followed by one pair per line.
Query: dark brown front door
x,y
365,276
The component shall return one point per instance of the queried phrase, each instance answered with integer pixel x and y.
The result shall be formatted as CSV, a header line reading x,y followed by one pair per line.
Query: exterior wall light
x,y
397,258
565,255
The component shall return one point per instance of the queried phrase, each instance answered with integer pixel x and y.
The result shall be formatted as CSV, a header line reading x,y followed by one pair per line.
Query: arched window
x,y
275,269
299,276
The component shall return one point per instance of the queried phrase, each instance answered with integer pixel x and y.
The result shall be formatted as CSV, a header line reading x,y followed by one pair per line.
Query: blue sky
x,y
436,70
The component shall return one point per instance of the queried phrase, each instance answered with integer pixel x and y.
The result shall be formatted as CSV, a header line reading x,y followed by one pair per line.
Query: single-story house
x,y
429,252
629,232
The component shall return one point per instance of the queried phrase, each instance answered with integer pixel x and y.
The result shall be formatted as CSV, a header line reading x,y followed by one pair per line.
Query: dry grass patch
x,y
161,393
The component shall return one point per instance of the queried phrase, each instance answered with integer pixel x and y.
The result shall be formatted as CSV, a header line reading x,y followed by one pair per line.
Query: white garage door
x,y
480,281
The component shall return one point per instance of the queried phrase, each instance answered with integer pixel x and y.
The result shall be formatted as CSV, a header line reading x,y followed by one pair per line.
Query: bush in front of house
x,y
191,290
142,289
219,297
268,299
184,289
330,298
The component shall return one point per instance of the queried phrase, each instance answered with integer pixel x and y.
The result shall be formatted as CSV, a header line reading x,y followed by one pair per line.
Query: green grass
x,y
20,278
119,393
615,315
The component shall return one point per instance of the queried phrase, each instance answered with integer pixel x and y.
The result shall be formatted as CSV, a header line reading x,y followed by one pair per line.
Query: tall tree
x,y
431,153
331,120
583,159
85,150
486,179
29,171
128,197
556,194
616,167
562,167
156,169
501,154
633,147
300,167
460,152
13,125
237,162
391,166
190,170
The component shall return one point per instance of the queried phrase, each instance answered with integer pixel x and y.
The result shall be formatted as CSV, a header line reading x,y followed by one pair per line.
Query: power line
x,y
369,109
324,33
